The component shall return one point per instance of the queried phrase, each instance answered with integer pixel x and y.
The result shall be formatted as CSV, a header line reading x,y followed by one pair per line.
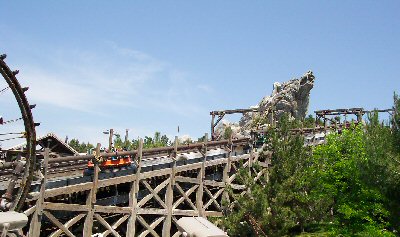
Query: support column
x,y
110,139
212,126
200,178
91,199
36,221
169,195
226,172
133,194
251,157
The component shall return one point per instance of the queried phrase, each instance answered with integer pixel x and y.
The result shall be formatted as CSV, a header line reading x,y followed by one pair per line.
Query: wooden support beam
x,y
91,199
226,172
169,194
133,194
200,178
36,221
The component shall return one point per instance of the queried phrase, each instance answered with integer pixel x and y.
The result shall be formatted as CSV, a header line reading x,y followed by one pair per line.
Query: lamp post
x,y
110,138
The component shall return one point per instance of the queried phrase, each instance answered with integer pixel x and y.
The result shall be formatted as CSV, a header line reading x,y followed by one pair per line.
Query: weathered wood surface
x,y
170,193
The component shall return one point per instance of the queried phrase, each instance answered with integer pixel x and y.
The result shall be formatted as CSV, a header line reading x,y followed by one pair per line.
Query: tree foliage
x,y
348,186
157,140
80,147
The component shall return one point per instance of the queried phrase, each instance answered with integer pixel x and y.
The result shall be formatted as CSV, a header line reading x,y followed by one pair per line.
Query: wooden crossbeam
x,y
116,225
213,198
147,226
185,196
153,193
152,225
175,221
67,225
30,211
58,223
105,224
259,174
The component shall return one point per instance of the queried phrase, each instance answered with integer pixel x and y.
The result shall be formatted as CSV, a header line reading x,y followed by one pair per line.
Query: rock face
x,y
290,97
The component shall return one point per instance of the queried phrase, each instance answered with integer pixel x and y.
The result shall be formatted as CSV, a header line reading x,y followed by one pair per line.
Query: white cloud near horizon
x,y
87,81
84,85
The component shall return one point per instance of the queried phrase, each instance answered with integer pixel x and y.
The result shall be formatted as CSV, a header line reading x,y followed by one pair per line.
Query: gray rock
x,y
291,97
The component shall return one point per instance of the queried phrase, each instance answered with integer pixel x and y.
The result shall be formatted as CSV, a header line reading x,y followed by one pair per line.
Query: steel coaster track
x,y
30,133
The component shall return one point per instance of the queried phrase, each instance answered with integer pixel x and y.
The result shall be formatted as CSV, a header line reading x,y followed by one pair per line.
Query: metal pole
x,y
110,139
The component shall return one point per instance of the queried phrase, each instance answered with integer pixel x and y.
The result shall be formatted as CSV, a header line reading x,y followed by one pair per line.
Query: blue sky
x,y
147,65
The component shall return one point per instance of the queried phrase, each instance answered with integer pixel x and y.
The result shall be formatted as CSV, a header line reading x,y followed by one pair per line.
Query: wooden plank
x,y
65,207
214,183
213,213
151,211
112,209
180,212
186,180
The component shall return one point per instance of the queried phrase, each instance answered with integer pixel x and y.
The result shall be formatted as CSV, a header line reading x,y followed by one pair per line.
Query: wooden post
x,y
110,139
36,221
133,194
226,172
251,157
126,137
200,178
359,117
91,199
212,126
169,195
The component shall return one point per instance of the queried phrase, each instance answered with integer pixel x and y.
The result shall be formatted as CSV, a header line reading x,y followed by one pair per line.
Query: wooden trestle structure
x,y
170,193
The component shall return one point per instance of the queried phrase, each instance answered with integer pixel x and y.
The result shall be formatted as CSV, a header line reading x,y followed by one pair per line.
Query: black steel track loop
x,y
30,166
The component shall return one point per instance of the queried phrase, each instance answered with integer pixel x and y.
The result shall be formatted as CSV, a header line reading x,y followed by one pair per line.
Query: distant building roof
x,y
51,141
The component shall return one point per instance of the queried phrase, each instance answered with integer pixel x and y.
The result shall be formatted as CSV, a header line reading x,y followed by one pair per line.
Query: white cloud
x,y
115,77
82,92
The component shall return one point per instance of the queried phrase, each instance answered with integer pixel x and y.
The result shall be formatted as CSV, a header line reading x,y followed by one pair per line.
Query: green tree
x,y
80,147
228,132
287,203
